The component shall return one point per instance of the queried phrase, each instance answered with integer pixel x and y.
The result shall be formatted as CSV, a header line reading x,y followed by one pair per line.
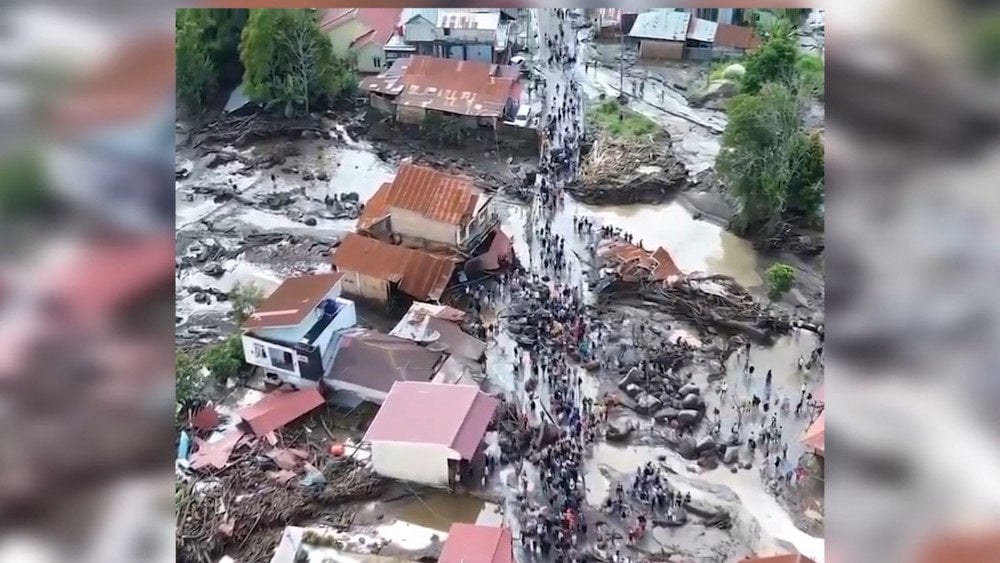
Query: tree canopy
x,y
772,166
196,79
289,63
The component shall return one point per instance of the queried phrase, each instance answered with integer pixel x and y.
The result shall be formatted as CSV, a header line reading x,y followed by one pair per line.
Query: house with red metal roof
x,y
476,93
361,34
469,543
291,333
426,208
427,433
379,271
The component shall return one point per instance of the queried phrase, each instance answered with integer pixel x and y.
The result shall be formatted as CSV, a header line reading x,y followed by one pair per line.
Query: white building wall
x,y
295,333
257,352
426,464
418,30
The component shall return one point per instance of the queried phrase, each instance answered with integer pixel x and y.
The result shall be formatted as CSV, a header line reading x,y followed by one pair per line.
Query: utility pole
x,y
621,72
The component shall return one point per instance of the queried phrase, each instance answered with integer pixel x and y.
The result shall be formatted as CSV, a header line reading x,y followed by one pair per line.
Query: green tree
x,y
780,278
288,61
224,360
196,80
188,378
774,61
244,298
773,167
221,32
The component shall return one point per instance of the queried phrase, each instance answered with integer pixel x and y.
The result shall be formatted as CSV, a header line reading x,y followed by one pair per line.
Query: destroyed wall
x,y
366,287
381,103
419,463
414,225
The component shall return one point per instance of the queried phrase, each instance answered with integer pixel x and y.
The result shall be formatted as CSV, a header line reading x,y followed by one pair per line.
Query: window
x,y
282,359
447,31
258,352
377,61
738,15
711,14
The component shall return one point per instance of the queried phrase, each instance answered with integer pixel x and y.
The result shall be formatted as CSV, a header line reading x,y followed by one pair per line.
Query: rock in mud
x,y
688,417
311,221
201,298
691,401
687,448
665,414
731,456
618,431
688,389
214,269
308,176
322,176
631,377
706,444
648,404
633,391
220,158
708,462
350,196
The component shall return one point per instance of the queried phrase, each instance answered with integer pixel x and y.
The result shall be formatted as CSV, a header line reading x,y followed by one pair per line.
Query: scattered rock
x,y
220,158
311,221
350,196
648,404
708,462
731,456
618,431
687,448
213,269
706,444
322,176
665,414
688,389
688,417
308,176
630,378
633,391
691,401
201,298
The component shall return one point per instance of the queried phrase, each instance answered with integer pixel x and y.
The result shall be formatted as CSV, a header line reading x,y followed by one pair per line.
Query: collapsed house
x,y
630,263
438,328
429,433
291,333
425,208
472,92
380,271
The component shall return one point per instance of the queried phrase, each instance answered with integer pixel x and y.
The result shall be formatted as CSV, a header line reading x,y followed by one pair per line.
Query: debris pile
x,y
621,170
239,131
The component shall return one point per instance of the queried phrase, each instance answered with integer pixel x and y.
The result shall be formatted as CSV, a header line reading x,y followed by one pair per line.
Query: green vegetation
x,y
189,379
196,80
621,121
772,166
780,278
289,63
774,61
224,360
986,45
221,361
244,298
22,184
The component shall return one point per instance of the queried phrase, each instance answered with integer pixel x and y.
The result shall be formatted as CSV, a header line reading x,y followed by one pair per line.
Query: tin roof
x,y
665,24
736,36
435,195
420,274
451,85
634,263
277,409
377,361
665,266
380,23
702,30
468,543
467,19
455,416
292,301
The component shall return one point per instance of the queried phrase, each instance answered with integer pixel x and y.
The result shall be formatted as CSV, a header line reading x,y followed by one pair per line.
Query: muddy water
x,y
694,245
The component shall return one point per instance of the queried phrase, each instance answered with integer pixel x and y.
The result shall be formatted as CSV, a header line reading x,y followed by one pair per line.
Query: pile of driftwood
x,y
622,170
243,512
241,130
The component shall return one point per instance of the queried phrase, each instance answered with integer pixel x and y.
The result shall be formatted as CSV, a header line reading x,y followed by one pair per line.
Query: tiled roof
x,y
481,544
433,194
292,301
450,85
420,274
455,416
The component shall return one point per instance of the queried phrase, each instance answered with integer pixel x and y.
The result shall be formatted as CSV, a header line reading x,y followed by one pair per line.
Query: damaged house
x,y
472,93
291,334
425,208
631,263
381,271
429,433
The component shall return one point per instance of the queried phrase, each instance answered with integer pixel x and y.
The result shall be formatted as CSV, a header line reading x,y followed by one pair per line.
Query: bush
x,y
779,280
632,124
244,298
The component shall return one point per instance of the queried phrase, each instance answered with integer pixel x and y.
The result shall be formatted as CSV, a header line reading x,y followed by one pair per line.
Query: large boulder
x,y
688,389
618,431
731,456
648,404
633,391
708,462
691,401
633,376
665,414
688,417
706,444
716,90
687,448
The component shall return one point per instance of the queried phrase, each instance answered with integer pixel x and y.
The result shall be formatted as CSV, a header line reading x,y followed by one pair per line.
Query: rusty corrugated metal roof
x,y
435,195
665,266
277,409
420,274
736,36
451,85
292,301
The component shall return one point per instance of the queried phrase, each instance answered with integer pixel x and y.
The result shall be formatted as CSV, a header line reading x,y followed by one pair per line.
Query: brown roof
x,y
452,85
455,416
292,301
736,36
665,266
277,409
420,274
376,361
786,558
435,195
634,263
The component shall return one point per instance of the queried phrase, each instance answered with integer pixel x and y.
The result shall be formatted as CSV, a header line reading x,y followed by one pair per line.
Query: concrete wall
x,y
411,224
260,353
381,103
426,464
419,30
366,58
366,287
661,50
411,115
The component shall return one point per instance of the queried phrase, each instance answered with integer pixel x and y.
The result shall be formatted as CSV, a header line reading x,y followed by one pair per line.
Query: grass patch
x,y
631,124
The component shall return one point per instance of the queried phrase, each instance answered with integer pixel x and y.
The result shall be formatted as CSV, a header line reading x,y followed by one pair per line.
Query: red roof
x,y
665,266
110,275
469,543
455,416
381,22
815,436
292,301
277,409
786,558
451,85
420,274
435,195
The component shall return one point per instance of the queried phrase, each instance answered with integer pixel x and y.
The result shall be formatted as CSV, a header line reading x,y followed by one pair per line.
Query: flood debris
x,y
620,170
239,131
